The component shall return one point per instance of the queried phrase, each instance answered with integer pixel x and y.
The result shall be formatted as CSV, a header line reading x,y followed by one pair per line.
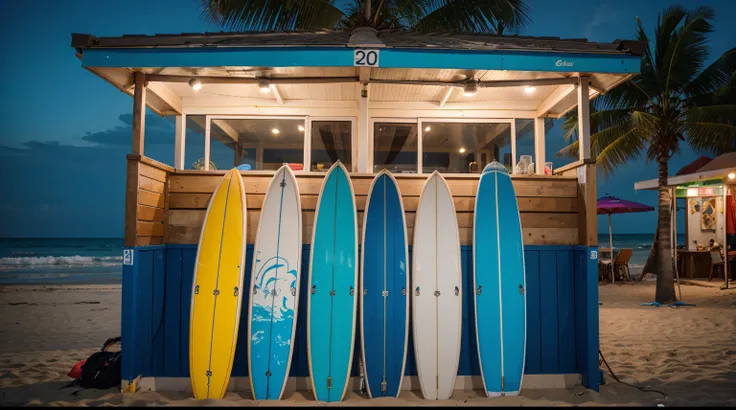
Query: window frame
x,y
353,136
395,120
420,121
306,143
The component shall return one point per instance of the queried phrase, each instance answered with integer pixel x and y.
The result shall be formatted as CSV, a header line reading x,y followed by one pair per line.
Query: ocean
x,y
99,261
61,261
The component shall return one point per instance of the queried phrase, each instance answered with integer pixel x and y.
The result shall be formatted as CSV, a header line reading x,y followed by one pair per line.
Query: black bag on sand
x,y
101,370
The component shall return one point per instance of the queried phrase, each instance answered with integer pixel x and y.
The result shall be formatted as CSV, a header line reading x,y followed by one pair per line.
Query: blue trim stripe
x,y
343,57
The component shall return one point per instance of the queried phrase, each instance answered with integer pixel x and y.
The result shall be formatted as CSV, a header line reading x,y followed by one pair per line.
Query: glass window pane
x,y
331,141
464,147
524,139
395,147
194,142
262,144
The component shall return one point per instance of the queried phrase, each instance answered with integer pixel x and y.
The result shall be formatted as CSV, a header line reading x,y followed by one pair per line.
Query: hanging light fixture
x,y
470,89
195,84
264,86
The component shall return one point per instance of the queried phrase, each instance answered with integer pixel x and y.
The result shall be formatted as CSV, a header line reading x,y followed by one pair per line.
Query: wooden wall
x,y
548,204
145,206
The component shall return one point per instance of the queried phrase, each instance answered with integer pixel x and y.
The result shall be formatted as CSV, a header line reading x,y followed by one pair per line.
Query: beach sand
x,y
689,353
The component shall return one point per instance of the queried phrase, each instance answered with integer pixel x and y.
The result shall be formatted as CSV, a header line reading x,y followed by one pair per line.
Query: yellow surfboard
x,y
217,289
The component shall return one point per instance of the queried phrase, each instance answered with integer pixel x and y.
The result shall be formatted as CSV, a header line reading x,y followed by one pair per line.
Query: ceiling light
x,y
732,175
195,84
530,89
462,150
301,128
275,131
264,86
427,128
470,89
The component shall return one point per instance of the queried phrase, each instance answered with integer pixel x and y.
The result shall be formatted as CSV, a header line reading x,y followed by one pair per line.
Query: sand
x,y
689,353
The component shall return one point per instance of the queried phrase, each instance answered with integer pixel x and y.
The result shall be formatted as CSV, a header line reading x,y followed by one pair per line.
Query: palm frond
x,y
627,146
648,78
272,15
688,49
474,16
714,78
667,23
712,128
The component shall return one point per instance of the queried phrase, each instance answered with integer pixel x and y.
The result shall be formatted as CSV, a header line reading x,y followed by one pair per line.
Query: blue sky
x,y
65,132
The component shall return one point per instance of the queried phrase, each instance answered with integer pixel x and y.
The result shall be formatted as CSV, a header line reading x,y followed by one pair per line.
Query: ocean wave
x,y
76,260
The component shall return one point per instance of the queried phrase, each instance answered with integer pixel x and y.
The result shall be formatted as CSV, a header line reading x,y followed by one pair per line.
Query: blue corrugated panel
x,y
562,314
533,313
172,314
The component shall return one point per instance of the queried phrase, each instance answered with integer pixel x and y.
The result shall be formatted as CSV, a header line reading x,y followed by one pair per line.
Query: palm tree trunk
x,y
665,286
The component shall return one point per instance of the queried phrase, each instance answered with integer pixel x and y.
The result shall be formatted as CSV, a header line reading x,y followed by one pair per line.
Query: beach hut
x,y
710,213
409,102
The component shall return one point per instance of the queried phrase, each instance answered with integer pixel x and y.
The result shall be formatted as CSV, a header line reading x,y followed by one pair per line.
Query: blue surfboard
x,y
384,284
333,277
500,283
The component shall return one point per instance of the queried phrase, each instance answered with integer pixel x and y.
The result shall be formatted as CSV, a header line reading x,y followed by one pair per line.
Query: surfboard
x,y
383,288
437,290
500,283
216,289
333,278
274,287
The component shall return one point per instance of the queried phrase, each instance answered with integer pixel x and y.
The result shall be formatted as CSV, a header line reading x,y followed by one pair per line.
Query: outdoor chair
x,y
716,263
620,264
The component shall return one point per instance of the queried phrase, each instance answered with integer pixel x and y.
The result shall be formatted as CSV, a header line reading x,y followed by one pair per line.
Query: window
x,y
395,147
259,144
464,147
194,142
524,139
331,141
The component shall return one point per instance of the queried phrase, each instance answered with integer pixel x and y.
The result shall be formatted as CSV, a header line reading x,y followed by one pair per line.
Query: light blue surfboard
x,y
333,277
500,283
384,283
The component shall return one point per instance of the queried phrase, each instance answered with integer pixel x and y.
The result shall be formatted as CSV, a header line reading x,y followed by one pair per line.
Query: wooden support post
x,y
131,203
139,113
584,118
513,147
207,138
363,132
180,144
587,208
539,146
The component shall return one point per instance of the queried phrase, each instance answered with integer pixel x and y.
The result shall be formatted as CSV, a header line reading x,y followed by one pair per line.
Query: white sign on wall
x,y
127,256
365,58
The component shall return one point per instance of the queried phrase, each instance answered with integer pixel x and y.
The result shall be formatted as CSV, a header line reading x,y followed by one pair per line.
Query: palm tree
x,y
479,16
674,101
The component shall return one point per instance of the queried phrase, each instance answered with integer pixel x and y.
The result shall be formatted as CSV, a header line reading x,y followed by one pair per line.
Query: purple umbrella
x,y
612,205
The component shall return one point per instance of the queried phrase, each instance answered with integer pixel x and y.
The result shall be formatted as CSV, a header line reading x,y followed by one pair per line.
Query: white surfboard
x,y
436,290
274,287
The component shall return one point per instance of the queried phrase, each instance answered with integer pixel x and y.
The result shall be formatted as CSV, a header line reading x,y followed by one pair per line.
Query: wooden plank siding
x,y
146,212
548,205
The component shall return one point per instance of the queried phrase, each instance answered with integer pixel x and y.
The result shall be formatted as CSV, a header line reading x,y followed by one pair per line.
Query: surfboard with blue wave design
x,y
274,287
333,277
